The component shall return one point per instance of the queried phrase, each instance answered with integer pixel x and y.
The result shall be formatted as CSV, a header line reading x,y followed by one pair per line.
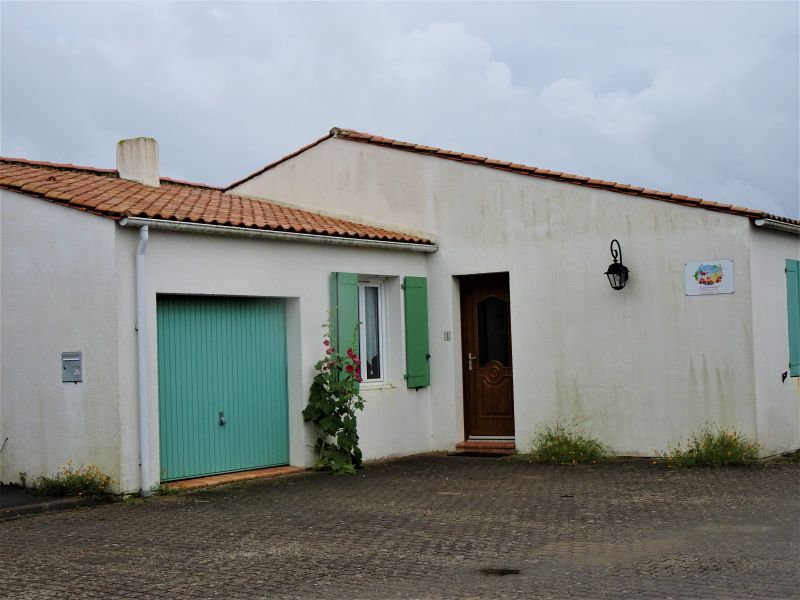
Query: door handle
x,y
470,358
222,418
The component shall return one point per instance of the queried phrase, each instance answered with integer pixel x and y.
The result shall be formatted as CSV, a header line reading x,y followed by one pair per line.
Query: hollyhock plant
x,y
332,404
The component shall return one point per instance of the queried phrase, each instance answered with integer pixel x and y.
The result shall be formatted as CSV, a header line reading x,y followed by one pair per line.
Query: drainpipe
x,y
141,342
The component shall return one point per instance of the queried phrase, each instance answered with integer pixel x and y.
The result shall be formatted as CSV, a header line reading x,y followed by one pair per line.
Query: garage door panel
x,y
221,355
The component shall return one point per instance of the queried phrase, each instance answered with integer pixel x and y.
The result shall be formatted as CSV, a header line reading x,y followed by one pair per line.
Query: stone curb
x,y
15,512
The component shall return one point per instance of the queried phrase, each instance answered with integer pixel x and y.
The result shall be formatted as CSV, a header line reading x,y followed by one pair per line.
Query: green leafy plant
x,y
332,404
73,481
713,447
560,444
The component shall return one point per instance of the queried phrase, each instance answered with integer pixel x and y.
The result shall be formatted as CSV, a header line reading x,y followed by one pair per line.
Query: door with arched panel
x,y
486,355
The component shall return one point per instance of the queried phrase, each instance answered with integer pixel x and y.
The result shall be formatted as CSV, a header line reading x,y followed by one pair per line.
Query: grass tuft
x,y
73,481
559,444
713,447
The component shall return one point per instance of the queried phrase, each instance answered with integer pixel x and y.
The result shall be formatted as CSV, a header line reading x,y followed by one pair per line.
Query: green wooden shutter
x,y
418,368
793,304
344,311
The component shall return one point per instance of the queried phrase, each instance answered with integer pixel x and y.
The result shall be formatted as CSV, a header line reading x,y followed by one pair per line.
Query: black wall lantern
x,y
617,272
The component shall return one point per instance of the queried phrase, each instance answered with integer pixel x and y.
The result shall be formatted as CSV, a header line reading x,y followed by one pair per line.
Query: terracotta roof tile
x,y
757,214
102,192
357,136
574,177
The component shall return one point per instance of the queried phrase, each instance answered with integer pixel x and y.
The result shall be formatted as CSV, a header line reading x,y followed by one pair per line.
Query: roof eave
x,y
767,223
289,236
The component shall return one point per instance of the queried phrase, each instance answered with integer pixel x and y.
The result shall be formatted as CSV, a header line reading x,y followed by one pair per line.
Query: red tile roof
x,y
471,159
102,192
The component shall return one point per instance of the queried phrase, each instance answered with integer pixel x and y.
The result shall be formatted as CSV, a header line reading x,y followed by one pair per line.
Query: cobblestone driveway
x,y
429,527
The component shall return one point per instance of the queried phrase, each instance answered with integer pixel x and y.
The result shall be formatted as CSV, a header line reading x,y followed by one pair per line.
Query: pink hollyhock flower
x,y
350,353
349,368
326,343
329,351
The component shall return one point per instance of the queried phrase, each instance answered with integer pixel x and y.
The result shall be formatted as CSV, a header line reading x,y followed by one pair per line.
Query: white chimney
x,y
137,160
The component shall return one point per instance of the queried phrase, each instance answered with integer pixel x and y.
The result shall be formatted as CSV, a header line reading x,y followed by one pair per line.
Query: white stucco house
x,y
165,330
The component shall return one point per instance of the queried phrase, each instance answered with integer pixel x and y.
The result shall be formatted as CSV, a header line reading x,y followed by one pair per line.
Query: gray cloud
x,y
700,99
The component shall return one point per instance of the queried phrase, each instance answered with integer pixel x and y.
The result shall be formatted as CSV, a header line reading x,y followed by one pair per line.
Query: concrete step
x,y
499,447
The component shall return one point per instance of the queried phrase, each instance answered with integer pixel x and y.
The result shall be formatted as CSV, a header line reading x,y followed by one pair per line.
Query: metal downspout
x,y
141,342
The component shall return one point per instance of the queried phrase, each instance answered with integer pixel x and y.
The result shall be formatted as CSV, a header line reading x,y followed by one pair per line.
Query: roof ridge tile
x,y
613,186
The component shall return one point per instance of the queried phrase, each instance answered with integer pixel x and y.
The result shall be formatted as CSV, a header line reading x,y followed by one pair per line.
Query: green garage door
x,y
222,396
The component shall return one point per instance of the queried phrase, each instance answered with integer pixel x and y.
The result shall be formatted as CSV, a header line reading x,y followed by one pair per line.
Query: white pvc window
x,y
372,333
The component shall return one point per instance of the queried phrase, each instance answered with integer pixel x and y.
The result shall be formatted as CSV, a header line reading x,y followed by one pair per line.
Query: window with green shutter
x,y
793,305
357,320
418,368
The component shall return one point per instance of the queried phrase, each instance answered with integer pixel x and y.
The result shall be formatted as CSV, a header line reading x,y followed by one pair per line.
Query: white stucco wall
x,y
778,401
320,179
640,368
58,290
395,420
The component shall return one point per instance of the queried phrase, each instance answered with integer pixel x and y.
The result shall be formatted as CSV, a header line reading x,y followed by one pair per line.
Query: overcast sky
x,y
699,99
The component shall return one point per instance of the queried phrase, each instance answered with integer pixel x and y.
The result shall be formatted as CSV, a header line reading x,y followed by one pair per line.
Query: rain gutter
x,y
779,225
287,236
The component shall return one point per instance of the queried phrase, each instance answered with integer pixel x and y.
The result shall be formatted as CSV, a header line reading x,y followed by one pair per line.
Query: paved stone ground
x,y
428,527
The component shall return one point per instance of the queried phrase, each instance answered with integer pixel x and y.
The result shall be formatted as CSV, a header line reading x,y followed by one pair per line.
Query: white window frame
x,y
382,331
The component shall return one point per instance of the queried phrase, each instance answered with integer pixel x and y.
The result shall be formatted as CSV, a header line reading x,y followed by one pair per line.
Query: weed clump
x,y
560,444
73,481
712,447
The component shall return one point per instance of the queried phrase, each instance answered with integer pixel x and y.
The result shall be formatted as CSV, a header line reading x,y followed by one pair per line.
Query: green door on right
x,y
222,394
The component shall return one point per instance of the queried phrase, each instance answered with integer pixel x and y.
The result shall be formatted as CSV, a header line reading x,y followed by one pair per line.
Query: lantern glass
x,y
617,275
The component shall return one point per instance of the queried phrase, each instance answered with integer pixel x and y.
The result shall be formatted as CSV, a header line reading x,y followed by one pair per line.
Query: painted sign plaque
x,y
708,277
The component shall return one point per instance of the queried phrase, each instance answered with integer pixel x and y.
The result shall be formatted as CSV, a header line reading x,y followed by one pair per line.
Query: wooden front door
x,y
486,356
